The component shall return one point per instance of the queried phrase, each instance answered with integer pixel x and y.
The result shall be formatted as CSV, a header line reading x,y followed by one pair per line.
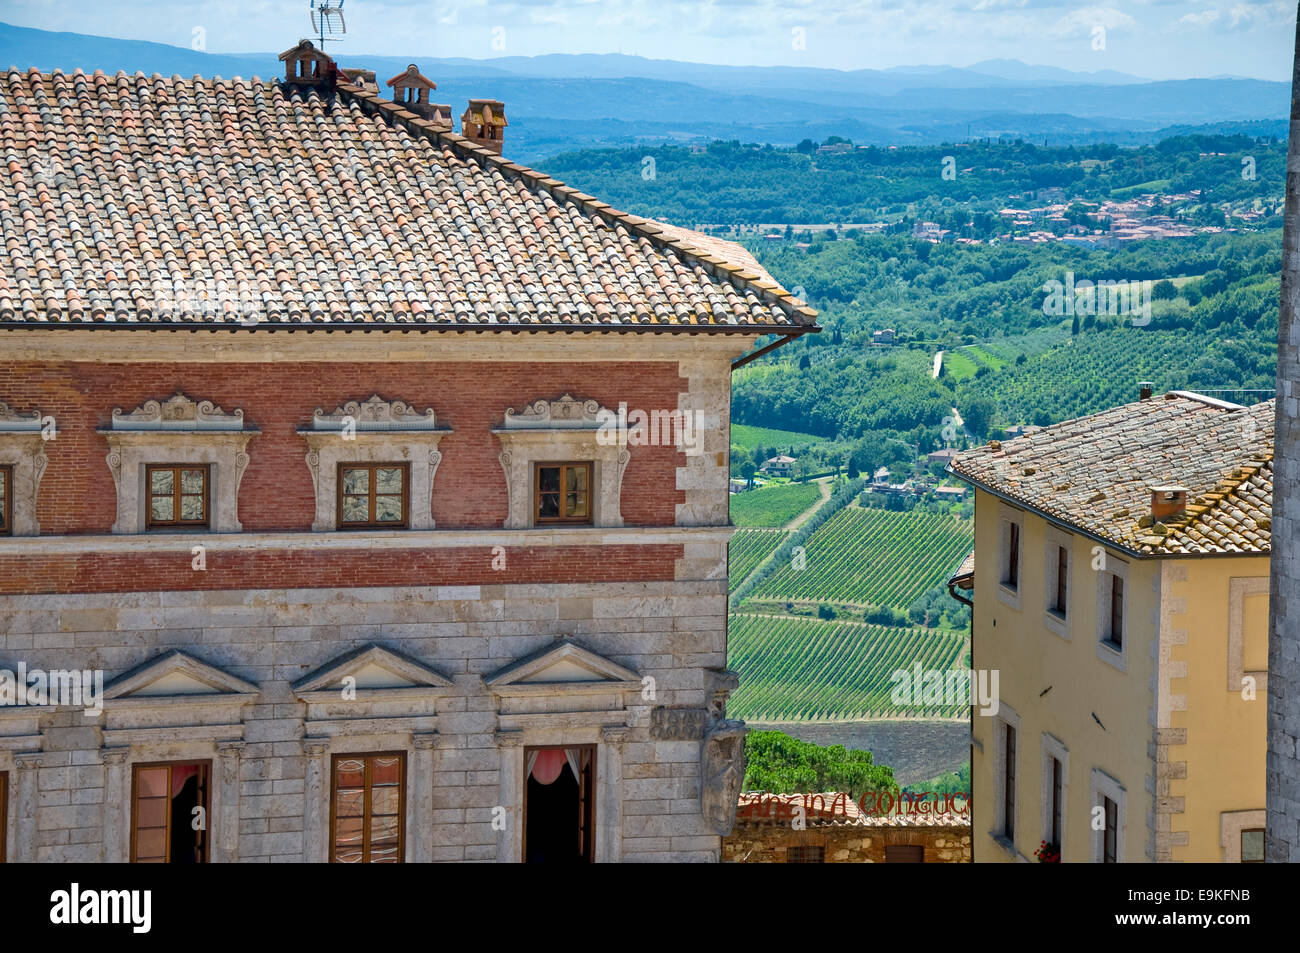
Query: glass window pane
x,y
550,505
160,481
191,507
162,508
348,830
153,782
349,802
191,481
151,812
383,854
350,772
386,800
388,509
549,479
388,480
576,505
383,831
344,854
386,771
576,479
356,509
1252,847
151,843
356,481
4,483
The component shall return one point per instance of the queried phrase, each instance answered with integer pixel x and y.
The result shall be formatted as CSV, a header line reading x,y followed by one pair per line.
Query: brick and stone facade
x,y
238,663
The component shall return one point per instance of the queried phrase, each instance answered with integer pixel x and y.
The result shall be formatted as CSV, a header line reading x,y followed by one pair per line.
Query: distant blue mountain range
x,y
560,102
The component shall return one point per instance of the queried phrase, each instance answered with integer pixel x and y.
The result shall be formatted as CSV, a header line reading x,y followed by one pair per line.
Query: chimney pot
x,y
1144,390
304,65
411,91
484,123
1168,501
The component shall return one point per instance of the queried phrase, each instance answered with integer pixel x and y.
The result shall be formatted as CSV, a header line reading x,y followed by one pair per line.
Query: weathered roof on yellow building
x,y
1097,474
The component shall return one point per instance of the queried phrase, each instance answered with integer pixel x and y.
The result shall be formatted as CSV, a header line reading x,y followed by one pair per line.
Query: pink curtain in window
x,y
546,765
180,774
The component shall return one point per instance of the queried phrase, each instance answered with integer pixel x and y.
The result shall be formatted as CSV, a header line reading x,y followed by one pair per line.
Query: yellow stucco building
x,y
1120,590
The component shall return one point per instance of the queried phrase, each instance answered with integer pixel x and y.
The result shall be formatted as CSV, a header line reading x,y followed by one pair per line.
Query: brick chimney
x,y
411,92
363,78
1167,501
304,65
484,123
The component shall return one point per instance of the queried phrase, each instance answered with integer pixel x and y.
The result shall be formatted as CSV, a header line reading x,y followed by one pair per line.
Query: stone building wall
x,y
61,808
467,624
846,844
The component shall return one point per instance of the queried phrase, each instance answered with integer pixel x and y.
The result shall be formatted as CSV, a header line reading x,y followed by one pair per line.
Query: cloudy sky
x,y
1162,39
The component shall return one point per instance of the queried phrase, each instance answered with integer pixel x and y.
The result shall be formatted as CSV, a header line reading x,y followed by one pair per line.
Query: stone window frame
x,y
403,798
1239,587
142,726
1006,716
1007,516
402,717
1106,651
373,431
1053,747
22,447
183,432
564,430
133,838
1058,623
1231,824
1103,785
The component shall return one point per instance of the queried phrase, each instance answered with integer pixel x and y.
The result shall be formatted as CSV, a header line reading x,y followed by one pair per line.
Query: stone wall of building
x,y
233,652
846,844
465,749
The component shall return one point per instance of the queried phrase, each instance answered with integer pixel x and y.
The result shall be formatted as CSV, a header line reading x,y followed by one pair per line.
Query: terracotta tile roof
x,y
1097,474
134,199
964,577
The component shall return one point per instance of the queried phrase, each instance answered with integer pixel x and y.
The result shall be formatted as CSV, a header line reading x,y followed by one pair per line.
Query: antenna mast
x,y
327,21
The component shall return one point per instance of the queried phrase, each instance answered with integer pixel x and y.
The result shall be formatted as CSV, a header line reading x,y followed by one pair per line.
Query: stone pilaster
x,y
316,808
225,843
27,799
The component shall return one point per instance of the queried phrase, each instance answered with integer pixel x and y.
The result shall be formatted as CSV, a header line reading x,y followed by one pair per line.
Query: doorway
x,y
559,805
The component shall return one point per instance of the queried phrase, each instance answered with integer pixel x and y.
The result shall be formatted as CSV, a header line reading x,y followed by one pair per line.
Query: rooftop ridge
x,y
805,316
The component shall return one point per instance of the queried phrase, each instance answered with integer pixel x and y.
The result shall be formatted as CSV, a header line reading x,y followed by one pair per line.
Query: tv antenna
x,y
327,21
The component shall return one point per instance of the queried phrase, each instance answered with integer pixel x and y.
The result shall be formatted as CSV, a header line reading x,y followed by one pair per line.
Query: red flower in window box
x,y
1048,853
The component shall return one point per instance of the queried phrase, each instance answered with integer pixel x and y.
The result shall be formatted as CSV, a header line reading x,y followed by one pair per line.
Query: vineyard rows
x,y
749,547
797,669
875,557
773,505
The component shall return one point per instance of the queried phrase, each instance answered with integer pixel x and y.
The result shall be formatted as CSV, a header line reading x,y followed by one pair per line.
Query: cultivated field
x,y
773,505
749,547
795,669
873,557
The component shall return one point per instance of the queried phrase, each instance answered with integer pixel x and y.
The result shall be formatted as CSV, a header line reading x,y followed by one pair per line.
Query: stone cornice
x,y
380,343
359,540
